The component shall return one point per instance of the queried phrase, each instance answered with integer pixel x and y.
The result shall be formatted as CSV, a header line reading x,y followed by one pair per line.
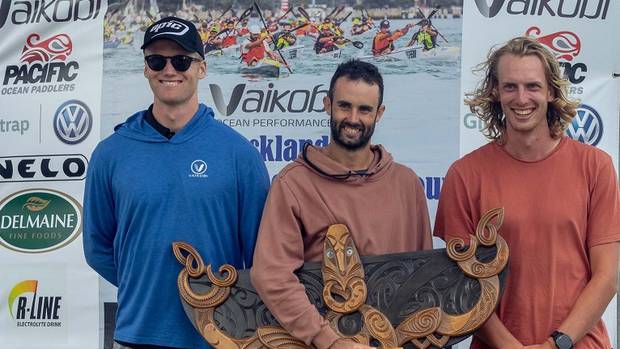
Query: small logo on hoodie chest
x,y
198,169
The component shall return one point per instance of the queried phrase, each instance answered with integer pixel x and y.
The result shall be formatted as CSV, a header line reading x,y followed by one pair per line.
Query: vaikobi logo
x,y
31,309
198,169
270,100
44,61
561,8
39,220
48,11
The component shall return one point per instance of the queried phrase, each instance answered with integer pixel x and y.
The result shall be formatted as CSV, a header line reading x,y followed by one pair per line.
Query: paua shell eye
x,y
349,251
330,253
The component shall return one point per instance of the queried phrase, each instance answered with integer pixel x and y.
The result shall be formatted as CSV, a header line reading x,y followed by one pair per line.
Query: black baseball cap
x,y
179,30
384,24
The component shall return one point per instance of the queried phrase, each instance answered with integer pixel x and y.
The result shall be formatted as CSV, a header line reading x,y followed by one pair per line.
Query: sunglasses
x,y
180,63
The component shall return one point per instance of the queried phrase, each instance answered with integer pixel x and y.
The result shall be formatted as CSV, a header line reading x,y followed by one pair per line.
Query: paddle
x,y
303,13
340,9
428,18
356,44
285,13
260,14
340,21
223,13
331,13
244,15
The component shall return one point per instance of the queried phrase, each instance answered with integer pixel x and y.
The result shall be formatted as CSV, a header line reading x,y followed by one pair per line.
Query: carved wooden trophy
x,y
426,299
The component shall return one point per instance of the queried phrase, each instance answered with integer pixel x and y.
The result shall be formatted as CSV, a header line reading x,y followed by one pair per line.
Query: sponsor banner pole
x,y
577,33
50,93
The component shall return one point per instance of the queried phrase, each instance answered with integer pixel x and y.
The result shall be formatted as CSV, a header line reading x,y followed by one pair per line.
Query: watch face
x,y
563,342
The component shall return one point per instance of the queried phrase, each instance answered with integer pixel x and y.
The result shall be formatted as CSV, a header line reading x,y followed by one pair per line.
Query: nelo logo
x,y
171,27
587,126
561,8
43,168
72,122
48,11
39,220
565,45
269,101
31,309
45,61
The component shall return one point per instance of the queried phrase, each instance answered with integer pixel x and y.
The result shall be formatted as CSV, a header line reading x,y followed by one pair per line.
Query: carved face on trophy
x,y
342,271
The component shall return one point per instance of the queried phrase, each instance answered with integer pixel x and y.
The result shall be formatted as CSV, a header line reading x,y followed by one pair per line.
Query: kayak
x,y
267,68
233,50
331,54
292,52
113,43
417,52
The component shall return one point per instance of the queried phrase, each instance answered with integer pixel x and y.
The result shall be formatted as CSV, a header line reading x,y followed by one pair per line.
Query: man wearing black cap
x,y
383,42
169,173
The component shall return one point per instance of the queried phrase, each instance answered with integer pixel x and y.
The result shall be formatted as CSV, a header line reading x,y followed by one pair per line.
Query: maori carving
x,y
342,271
427,299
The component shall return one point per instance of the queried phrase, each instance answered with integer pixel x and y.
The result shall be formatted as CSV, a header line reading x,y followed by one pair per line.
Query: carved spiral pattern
x,y
486,230
230,276
354,295
454,245
420,324
193,262
480,270
194,267
378,326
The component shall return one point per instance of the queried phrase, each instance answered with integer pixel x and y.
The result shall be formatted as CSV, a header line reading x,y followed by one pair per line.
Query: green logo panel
x,y
39,220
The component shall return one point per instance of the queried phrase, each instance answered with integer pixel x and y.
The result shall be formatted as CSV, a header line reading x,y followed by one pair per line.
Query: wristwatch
x,y
562,340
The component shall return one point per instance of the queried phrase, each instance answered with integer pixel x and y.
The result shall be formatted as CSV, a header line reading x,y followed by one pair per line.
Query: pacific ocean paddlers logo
x,y
566,46
45,66
39,220
56,48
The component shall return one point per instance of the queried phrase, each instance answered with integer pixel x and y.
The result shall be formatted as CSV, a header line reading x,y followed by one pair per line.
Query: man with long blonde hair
x,y
561,202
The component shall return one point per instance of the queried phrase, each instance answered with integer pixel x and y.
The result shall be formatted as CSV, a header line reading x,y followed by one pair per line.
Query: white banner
x,y
578,33
50,98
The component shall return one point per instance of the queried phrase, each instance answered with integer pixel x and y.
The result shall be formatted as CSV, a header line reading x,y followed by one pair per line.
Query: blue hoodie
x,y
205,186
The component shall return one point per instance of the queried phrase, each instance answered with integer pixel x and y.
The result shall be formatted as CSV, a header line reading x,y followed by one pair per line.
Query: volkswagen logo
x,y
587,126
72,122
199,167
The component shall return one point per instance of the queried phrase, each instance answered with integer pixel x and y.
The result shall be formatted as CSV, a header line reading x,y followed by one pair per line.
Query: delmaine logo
x,y
39,220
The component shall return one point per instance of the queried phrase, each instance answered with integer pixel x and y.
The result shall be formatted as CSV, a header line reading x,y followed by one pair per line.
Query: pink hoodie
x,y
385,211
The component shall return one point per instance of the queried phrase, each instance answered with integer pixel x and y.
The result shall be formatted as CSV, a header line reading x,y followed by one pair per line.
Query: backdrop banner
x,y
50,96
576,32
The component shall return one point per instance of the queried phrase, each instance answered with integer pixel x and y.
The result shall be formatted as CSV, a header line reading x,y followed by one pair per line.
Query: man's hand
x,y
347,344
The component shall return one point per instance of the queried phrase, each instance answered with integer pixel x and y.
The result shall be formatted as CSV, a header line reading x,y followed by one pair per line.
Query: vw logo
x,y
72,122
587,126
199,167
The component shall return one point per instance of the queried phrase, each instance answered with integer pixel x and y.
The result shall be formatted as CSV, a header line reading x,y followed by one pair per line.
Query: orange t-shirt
x,y
555,209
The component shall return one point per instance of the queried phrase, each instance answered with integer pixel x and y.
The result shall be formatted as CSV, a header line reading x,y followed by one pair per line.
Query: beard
x,y
337,130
